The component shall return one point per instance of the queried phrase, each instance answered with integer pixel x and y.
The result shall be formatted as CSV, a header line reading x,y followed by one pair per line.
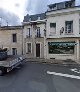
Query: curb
x,y
56,63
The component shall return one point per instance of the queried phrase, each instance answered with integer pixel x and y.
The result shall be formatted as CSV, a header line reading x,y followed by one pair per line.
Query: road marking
x,y
75,70
63,75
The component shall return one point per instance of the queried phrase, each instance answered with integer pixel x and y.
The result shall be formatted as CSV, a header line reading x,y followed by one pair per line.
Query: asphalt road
x,y
33,77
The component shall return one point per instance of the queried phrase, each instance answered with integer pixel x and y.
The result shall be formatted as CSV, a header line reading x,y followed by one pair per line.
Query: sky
x,y
12,12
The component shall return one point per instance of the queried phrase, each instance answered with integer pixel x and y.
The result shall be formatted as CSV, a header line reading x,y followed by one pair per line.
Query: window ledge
x,y
52,34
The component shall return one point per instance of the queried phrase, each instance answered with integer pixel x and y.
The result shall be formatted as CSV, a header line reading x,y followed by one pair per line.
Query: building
x,y
63,31
11,38
54,34
33,37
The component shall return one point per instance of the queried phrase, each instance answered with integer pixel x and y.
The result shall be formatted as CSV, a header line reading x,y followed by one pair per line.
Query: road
x,y
34,77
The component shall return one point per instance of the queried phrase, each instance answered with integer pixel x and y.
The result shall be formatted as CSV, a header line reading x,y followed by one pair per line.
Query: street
x,y
38,77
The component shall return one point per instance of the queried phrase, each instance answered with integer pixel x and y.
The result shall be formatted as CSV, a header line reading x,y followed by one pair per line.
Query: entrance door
x,y
37,50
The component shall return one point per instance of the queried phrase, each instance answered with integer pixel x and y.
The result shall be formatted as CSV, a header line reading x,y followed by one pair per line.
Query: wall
x,y
60,19
6,40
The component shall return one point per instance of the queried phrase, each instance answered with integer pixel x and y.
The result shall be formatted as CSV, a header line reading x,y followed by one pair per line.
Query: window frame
x,y
14,40
53,27
29,32
27,47
16,51
38,33
69,27
58,47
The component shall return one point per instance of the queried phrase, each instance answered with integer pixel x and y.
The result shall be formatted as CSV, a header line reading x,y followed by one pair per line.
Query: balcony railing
x,y
38,36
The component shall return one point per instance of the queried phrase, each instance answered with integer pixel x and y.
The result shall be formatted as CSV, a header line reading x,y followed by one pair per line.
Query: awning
x,y
62,43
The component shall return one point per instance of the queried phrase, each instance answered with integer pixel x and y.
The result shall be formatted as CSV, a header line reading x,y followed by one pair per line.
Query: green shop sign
x,y
62,43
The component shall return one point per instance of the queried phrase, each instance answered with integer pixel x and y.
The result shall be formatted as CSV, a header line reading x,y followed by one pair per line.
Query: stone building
x,y
33,37
11,38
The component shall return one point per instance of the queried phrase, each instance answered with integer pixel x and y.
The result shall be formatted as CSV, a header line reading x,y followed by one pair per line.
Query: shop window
x,y
61,48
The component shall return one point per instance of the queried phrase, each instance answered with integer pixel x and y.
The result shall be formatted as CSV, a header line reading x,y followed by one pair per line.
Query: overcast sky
x,y
13,11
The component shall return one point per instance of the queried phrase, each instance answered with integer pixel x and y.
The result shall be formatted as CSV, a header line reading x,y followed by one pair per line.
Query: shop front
x,y
62,50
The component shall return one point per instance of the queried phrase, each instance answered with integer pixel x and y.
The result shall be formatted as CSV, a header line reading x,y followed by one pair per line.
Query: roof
x,y
10,27
35,17
64,8
61,5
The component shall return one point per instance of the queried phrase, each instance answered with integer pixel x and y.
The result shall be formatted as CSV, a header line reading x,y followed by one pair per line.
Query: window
x,y
29,32
14,36
28,48
68,4
14,51
52,28
60,5
61,47
38,32
69,27
79,26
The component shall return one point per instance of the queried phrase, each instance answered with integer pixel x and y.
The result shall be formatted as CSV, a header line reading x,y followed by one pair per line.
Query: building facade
x,y
34,26
54,34
11,38
63,31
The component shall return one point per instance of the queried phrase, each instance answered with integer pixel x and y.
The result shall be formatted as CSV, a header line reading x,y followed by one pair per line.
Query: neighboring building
x,y
34,26
63,31
11,38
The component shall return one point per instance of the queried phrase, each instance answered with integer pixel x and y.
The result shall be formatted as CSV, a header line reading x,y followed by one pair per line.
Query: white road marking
x,y
63,75
75,70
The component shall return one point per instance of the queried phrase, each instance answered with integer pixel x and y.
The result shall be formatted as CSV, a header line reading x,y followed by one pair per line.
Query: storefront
x,y
61,47
62,50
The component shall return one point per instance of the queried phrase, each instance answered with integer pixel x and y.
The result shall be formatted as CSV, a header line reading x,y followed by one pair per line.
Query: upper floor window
x,y
52,28
69,27
38,32
14,37
29,32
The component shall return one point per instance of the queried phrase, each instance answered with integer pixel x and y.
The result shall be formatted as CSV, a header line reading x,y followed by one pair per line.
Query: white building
x,y
63,31
33,44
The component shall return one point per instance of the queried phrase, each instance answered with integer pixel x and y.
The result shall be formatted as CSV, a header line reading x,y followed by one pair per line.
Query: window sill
x,y
52,34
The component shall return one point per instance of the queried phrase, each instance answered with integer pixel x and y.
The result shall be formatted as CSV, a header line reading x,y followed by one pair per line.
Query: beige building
x,y
34,26
11,38
63,31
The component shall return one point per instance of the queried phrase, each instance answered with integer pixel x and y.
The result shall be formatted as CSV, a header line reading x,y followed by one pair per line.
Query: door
x,y
37,50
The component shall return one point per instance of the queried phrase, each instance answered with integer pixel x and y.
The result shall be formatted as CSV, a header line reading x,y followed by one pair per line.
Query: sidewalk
x,y
52,61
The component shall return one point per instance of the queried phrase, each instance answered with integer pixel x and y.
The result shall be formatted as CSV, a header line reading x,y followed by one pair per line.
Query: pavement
x,y
39,77
67,62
